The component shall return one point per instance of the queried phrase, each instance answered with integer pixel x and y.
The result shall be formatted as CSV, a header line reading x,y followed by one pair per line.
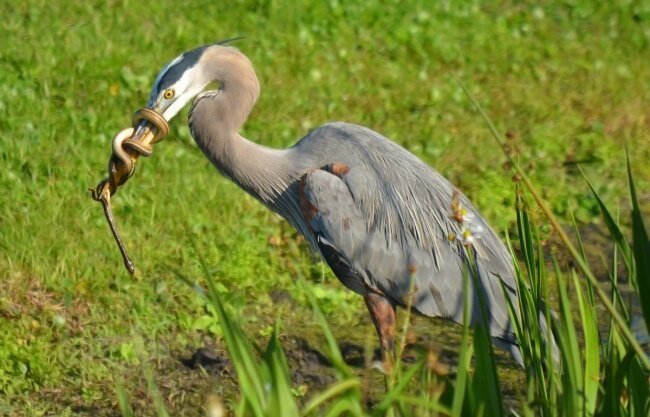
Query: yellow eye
x,y
169,93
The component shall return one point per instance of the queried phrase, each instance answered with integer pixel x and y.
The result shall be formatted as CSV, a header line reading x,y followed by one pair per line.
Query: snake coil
x,y
128,145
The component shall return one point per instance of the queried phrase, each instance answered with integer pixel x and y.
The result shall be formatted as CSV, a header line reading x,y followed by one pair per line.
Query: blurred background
x,y
564,81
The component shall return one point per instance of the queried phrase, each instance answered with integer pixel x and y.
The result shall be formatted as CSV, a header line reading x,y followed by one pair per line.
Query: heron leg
x,y
382,312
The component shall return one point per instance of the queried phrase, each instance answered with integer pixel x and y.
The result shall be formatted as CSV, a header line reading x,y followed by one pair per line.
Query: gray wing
x,y
398,193
365,257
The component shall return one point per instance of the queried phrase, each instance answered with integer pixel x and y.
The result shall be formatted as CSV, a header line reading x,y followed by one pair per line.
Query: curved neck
x,y
217,116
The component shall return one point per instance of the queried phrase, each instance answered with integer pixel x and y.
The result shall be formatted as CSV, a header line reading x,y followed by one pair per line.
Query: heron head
x,y
176,84
180,81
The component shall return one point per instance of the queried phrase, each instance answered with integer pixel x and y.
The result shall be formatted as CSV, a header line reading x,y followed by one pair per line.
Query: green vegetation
x,y
566,382
565,80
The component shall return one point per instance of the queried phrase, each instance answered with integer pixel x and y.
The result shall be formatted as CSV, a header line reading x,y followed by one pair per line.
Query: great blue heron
x,y
388,225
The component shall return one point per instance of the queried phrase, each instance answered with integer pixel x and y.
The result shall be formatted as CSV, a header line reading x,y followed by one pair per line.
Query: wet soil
x,y
311,371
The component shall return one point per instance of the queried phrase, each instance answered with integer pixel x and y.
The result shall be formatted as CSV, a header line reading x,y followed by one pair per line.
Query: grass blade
x,y
572,376
333,352
123,400
614,229
592,351
641,250
466,353
393,396
486,380
331,392
282,401
639,389
149,375
241,352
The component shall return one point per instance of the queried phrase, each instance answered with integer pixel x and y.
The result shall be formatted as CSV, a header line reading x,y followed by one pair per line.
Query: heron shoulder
x,y
395,189
354,143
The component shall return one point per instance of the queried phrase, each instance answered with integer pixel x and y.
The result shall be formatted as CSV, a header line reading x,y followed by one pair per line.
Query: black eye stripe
x,y
176,71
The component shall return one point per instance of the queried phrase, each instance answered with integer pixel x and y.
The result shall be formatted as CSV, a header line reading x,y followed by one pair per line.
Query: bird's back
x,y
415,223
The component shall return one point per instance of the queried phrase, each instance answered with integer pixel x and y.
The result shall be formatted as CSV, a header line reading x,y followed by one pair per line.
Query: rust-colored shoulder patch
x,y
337,169
306,207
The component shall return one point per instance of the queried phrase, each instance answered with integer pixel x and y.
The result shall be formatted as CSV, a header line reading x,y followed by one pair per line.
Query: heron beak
x,y
144,131
149,127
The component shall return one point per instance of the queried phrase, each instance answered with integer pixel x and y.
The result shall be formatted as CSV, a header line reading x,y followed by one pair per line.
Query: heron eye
x,y
169,93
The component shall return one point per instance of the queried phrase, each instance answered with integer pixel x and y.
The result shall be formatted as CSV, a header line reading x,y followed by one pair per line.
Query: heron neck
x,y
269,175
215,120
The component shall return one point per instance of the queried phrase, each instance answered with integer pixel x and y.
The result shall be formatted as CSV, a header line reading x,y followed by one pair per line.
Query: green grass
x,y
565,79
587,378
